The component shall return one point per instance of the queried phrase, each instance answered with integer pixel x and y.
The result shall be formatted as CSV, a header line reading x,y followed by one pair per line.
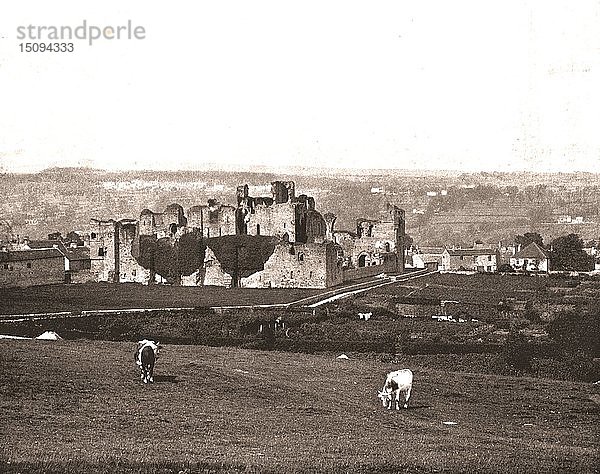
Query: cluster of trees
x,y
567,254
529,237
239,255
71,238
574,346
168,258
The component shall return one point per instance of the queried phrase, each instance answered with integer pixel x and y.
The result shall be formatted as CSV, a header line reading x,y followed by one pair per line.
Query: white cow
x,y
396,382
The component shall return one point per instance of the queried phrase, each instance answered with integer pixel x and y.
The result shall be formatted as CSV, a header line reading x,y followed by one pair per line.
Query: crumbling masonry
x,y
277,241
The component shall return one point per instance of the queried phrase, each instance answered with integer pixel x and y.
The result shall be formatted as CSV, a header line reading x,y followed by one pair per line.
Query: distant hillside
x,y
441,207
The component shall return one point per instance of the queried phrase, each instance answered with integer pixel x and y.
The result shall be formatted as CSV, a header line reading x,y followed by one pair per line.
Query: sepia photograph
x,y
299,237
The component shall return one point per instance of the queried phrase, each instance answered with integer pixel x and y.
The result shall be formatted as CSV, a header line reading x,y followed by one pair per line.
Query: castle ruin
x,y
277,241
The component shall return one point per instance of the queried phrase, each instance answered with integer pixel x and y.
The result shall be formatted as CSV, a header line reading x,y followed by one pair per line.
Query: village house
x,y
427,257
22,268
531,258
506,252
483,260
77,257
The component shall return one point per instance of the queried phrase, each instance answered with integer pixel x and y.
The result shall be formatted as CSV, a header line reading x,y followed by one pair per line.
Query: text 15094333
x,y
46,47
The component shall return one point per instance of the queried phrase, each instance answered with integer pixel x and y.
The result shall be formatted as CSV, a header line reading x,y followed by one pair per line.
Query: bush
x,y
517,352
532,315
572,367
448,348
506,268
581,367
577,332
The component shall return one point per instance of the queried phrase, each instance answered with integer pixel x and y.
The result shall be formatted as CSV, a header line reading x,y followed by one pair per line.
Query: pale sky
x,y
461,85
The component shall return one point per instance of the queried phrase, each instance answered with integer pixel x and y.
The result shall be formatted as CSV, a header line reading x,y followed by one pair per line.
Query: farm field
x,y
78,406
91,296
495,289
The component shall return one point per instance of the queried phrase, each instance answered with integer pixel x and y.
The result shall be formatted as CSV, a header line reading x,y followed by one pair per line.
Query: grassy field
x,y
90,296
482,288
469,289
77,406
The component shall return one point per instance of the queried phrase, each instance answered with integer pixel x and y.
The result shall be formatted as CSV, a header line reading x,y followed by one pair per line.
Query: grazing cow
x,y
396,382
145,357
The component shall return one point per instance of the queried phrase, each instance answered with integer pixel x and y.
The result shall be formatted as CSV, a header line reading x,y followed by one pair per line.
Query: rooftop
x,y
72,253
533,250
471,252
34,254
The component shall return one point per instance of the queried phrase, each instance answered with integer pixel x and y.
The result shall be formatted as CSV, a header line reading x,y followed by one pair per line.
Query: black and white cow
x,y
396,382
145,357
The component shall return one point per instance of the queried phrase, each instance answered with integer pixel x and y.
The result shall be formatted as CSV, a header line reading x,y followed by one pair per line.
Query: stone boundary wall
x,y
357,273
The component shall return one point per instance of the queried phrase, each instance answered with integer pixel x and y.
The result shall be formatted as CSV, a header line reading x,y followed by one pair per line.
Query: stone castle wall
x,y
111,259
377,242
214,220
103,253
295,265
276,220
128,269
212,274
